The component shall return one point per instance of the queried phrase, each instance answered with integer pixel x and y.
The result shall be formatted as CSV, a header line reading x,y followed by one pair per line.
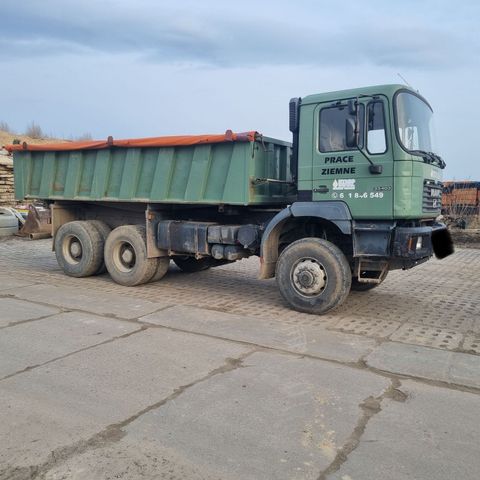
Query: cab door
x,y
342,172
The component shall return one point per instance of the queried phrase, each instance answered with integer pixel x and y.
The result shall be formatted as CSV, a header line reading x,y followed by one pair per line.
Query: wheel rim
x,y
124,257
309,277
72,249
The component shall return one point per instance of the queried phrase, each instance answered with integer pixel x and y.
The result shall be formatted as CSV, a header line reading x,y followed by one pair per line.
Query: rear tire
x,y
162,268
79,249
104,231
191,264
313,275
126,256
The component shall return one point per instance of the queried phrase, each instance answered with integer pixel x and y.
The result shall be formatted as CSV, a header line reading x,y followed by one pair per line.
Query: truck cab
x,y
387,169
369,181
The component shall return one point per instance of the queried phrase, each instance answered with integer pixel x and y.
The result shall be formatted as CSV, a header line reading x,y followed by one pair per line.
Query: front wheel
x,y
313,275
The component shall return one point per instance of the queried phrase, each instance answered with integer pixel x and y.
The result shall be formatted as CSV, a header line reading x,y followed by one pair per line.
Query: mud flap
x,y
442,243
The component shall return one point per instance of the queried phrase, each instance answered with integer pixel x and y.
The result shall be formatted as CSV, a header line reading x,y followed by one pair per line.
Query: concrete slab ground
x,y
56,407
305,339
211,376
88,300
433,434
277,416
7,282
428,363
55,337
14,311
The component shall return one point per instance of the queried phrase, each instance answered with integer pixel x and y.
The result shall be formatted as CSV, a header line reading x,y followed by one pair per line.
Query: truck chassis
x,y
316,252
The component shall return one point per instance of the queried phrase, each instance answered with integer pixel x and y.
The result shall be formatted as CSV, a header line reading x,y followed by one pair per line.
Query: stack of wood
x,y
7,195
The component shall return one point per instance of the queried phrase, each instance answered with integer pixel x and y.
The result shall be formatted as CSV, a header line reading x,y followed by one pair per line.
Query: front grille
x,y
432,195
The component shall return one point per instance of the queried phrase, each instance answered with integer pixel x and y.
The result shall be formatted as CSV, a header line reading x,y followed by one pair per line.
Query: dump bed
x,y
237,169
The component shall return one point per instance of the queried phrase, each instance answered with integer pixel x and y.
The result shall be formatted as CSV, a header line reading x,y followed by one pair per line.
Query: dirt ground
x,y
7,138
468,238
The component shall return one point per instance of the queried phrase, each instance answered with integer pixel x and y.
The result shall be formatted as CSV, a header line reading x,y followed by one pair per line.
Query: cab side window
x,y
333,135
376,134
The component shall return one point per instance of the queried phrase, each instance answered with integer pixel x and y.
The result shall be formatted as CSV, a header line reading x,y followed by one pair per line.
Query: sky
x,y
137,68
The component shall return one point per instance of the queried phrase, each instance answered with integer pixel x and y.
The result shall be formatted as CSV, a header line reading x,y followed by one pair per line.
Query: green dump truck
x,y
356,194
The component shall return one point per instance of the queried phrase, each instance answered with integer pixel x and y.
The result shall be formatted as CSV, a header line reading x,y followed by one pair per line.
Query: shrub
x,y
34,131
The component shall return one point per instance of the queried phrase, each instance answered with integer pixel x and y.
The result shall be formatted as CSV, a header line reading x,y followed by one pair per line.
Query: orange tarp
x,y
172,141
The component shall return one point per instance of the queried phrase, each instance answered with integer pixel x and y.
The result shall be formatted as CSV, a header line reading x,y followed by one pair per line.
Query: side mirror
x,y
350,134
294,112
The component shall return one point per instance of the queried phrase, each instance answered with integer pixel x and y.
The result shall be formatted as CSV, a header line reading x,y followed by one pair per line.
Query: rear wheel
x,y
313,275
79,249
162,268
126,256
191,264
104,231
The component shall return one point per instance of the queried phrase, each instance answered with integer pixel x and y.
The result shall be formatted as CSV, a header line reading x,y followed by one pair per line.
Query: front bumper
x,y
402,247
417,243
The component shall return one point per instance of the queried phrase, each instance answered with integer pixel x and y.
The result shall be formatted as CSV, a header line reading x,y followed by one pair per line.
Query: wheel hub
x,y
76,249
306,279
309,277
72,250
124,257
127,256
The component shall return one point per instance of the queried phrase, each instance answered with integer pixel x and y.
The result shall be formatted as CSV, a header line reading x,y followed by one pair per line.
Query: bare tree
x,y
5,127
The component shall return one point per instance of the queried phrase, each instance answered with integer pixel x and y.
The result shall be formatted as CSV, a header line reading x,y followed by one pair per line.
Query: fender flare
x,y
334,211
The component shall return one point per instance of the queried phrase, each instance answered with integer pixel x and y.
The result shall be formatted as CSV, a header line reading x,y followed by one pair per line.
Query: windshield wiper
x,y
431,158
441,163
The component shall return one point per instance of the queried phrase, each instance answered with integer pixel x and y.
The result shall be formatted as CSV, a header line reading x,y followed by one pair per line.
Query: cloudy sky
x,y
145,68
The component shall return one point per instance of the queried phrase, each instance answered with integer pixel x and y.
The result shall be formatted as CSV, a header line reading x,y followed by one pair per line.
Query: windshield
x,y
414,123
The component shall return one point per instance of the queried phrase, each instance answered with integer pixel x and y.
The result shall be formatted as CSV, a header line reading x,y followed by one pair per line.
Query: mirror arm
x,y
373,168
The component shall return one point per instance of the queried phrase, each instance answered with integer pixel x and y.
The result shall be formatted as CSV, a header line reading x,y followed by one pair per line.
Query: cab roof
x,y
388,90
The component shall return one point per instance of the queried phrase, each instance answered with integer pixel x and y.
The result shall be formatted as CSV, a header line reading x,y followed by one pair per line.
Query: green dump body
x,y
238,173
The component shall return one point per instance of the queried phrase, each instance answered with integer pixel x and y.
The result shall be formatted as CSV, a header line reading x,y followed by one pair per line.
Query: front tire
x,y
313,275
126,256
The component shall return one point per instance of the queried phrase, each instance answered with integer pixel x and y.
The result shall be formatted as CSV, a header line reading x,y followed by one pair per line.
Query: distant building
x,y
461,197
